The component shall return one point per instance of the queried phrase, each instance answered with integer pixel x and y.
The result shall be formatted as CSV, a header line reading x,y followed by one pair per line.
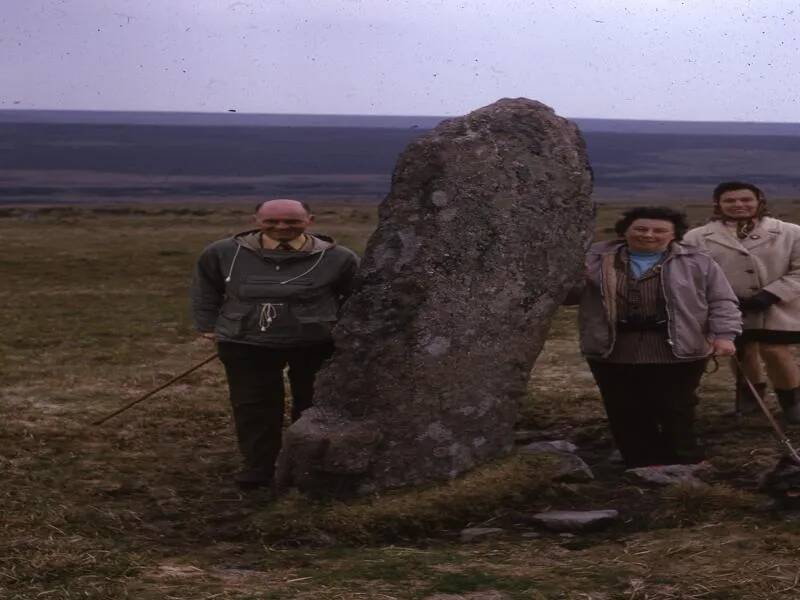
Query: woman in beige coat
x,y
760,256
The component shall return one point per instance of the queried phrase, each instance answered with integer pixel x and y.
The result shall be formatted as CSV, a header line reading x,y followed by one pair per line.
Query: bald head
x,y
305,206
283,219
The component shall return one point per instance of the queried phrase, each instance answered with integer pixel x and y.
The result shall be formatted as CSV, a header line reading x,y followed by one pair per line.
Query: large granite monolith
x,y
480,238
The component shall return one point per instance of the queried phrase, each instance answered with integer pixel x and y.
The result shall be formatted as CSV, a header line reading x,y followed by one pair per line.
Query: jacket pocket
x,y
316,308
265,288
230,324
689,333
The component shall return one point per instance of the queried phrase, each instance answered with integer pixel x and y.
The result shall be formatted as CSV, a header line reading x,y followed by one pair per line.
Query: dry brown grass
x,y
143,508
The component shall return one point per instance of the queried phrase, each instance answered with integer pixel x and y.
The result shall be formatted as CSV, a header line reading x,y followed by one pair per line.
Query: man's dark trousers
x,y
255,382
650,410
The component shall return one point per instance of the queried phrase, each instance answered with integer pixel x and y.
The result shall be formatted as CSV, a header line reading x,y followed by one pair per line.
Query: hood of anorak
x,y
251,240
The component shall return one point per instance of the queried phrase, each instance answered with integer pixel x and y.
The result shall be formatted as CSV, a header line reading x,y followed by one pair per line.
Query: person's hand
x,y
722,348
208,336
759,301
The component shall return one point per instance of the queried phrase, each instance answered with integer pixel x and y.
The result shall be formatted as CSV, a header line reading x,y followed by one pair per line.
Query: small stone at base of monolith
x,y
671,474
572,469
569,467
575,520
525,436
552,447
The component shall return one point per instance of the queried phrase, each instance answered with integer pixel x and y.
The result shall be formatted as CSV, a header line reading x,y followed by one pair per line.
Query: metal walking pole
x,y
155,391
779,433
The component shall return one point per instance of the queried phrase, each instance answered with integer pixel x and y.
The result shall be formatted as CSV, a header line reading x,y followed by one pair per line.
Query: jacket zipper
x,y
668,308
670,319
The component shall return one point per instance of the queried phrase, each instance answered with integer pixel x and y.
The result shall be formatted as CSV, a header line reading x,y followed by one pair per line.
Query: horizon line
x,y
234,112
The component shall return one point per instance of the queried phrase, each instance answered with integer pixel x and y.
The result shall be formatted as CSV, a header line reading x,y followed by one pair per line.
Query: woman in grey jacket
x,y
652,310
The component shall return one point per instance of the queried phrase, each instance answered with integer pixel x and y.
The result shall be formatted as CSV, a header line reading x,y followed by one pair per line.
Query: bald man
x,y
269,298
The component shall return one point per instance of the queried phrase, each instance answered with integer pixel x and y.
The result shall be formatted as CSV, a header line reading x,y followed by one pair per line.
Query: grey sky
x,y
651,59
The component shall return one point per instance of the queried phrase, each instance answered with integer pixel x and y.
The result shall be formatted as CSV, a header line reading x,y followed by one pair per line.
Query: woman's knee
x,y
777,354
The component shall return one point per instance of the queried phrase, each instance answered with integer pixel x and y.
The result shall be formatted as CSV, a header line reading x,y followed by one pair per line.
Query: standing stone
x,y
478,242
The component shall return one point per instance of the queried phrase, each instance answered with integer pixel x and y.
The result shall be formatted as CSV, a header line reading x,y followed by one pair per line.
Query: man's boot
x,y
747,403
250,479
790,404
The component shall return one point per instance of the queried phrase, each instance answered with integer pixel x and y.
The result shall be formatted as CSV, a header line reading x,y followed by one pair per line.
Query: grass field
x,y
96,312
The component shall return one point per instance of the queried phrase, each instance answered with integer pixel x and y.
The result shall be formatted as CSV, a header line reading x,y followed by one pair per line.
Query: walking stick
x,y
779,433
155,391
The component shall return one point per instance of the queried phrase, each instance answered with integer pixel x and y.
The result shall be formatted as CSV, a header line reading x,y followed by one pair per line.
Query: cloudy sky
x,y
649,59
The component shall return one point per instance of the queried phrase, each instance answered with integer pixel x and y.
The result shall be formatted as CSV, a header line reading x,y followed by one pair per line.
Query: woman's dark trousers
x,y
255,382
650,410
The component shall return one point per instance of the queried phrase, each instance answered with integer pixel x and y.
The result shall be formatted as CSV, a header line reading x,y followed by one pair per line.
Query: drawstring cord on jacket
x,y
233,262
314,266
267,315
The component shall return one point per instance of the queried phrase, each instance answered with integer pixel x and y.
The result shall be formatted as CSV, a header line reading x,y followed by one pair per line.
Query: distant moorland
x,y
54,156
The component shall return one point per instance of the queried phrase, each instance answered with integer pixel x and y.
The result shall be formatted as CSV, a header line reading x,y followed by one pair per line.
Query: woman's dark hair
x,y
730,186
661,213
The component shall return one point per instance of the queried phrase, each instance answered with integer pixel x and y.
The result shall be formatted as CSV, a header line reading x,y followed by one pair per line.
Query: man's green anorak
x,y
275,298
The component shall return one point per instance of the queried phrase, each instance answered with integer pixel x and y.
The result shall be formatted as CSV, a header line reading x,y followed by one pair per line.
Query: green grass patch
x,y
411,514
